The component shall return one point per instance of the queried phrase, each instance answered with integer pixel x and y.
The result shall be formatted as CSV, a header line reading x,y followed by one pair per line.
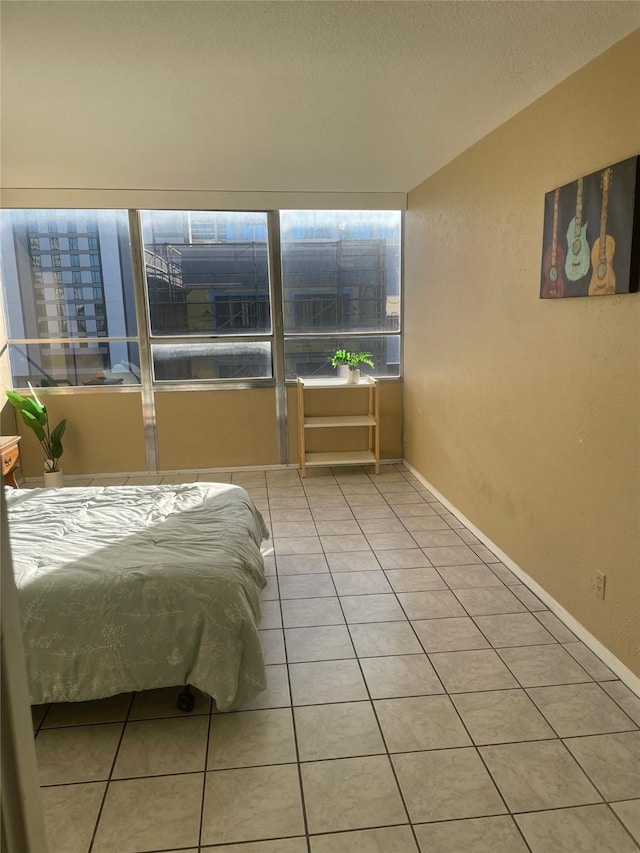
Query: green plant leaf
x,y
33,423
56,440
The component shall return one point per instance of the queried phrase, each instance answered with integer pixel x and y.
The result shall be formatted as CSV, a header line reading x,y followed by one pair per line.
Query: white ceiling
x,y
275,96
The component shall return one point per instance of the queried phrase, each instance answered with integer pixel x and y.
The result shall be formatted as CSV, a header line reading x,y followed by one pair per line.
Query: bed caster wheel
x,y
186,701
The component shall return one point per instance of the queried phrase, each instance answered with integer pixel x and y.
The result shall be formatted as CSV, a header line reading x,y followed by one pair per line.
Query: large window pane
x,y
207,272
80,363
340,270
45,297
233,360
312,356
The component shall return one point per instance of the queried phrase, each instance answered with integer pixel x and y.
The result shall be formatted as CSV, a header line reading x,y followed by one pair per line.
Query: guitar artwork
x,y
553,261
603,278
578,260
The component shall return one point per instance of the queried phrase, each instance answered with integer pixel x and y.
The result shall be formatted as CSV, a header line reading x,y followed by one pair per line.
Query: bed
x,y
128,588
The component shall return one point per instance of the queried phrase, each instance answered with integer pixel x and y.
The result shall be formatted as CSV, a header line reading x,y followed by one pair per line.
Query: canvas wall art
x,y
591,234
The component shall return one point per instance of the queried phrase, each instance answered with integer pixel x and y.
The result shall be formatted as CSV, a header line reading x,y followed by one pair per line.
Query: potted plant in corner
x,y
339,360
35,416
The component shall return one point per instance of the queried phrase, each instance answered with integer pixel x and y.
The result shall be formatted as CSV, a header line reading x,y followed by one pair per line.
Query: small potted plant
x,y
339,360
347,364
34,414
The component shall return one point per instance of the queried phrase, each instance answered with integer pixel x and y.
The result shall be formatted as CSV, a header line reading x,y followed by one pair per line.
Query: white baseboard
x,y
607,657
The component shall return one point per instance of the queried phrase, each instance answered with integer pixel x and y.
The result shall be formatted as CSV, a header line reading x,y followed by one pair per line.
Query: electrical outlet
x,y
599,584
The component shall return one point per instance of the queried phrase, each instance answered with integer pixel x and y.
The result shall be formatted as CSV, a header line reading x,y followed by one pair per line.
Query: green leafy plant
x,y
34,414
352,359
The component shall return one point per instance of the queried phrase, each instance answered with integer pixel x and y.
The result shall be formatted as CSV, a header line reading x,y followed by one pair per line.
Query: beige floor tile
x,y
144,480
293,528
555,627
281,845
450,635
540,775
271,592
288,545
302,564
326,681
70,814
446,784
589,829
468,577
463,672
588,661
252,803
327,642
420,722
452,555
351,793
332,513
152,704
381,525
158,813
271,615
501,716
612,762
158,747
500,570
400,675
361,583
537,666
371,608
392,839
77,754
354,561
479,835
273,646
337,731
419,509
437,539
307,586
251,738
178,479
530,601
580,709
513,629
291,515
431,604
486,602
311,612
403,558
390,541
414,580
627,700
629,814
384,638
425,522
338,528
343,544
277,693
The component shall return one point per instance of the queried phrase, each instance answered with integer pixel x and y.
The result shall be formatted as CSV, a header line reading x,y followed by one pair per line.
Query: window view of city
x,y
69,294
68,291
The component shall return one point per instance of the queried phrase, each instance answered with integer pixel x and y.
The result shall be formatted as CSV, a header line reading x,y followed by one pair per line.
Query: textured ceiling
x,y
297,96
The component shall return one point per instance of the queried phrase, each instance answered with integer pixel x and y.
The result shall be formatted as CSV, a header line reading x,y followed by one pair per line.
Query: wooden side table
x,y
9,458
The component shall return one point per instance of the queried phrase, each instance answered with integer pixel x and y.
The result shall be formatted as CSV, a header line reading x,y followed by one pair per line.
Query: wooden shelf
x,y
344,457
340,421
369,419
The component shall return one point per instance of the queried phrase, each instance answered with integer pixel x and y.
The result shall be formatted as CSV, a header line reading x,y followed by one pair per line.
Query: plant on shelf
x,y
34,414
349,361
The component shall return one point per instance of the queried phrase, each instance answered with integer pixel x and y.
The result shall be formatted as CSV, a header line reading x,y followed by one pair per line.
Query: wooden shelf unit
x,y
370,419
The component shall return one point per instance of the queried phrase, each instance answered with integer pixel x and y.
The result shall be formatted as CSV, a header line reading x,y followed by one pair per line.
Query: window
x,y
208,277
208,290
341,288
50,362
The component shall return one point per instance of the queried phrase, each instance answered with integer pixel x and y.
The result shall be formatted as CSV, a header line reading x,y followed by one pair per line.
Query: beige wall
x,y
216,429
525,413
104,434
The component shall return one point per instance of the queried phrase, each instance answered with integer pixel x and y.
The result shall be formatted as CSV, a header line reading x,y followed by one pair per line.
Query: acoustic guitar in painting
x,y
553,261
578,260
603,278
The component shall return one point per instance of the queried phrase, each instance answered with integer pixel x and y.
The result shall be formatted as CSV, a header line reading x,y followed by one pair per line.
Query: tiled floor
x,y
420,698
